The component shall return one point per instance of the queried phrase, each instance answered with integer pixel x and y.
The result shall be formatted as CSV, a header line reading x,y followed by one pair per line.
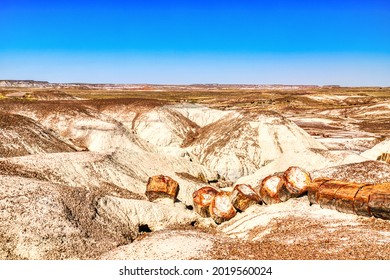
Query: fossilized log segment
x,y
384,157
243,196
345,196
361,201
349,197
296,181
202,200
313,187
338,195
221,209
161,186
269,189
379,201
326,193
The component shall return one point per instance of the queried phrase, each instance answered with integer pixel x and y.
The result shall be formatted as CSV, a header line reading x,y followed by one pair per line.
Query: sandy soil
x,y
74,162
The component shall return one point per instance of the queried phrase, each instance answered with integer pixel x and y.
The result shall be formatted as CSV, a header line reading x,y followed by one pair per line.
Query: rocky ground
x,y
75,161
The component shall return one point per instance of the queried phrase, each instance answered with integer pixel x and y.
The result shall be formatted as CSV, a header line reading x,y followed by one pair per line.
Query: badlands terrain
x,y
75,160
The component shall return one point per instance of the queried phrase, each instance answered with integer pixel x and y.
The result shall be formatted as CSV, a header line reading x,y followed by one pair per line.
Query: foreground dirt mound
x,y
290,230
167,245
41,220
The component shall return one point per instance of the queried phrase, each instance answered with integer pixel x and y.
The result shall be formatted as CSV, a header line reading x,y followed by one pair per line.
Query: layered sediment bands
x,y
353,198
20,136
240,144
73,174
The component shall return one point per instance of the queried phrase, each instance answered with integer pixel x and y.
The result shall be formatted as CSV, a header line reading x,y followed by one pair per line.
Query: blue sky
x,y
184,42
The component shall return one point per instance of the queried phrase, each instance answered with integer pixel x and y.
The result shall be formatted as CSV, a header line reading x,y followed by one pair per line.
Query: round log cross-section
x,y
221,209
296,181
243,196
269,189
161,186
202,200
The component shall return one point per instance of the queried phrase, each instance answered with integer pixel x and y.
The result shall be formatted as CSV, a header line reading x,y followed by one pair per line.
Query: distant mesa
x,y
24,83
46,84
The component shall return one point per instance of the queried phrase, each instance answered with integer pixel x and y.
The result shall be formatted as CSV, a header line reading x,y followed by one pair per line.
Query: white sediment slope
x,y
377,150
86,197
238,145
165,245
155,216
199,114
231,143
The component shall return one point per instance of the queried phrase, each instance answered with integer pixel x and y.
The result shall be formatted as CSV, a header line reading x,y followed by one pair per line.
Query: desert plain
x,y
75,160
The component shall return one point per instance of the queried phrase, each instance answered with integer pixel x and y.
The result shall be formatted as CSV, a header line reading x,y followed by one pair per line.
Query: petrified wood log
x,y
379,201
269,189
384,157
243,196
221,209
202,200
345,197
349,197
334,194
361,201
326,192
296,180
313,187
161,186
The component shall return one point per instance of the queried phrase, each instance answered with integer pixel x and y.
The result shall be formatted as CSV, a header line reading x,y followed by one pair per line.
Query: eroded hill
x,y
74,164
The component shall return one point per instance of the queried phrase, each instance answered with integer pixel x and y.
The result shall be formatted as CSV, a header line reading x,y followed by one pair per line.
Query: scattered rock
x,y
371,171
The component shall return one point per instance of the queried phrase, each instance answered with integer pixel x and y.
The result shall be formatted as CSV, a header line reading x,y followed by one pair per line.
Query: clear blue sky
x,y
183,42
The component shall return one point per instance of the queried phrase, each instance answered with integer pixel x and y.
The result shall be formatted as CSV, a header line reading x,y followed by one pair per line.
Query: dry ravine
x,y
132,178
